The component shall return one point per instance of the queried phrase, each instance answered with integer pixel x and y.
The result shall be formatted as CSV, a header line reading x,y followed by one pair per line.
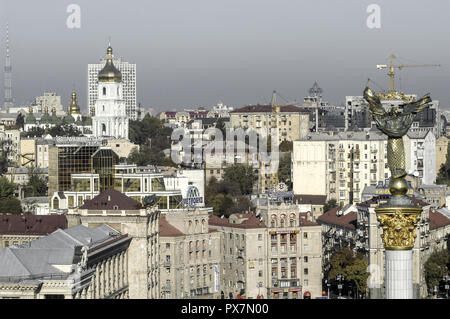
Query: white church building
x,y
109,113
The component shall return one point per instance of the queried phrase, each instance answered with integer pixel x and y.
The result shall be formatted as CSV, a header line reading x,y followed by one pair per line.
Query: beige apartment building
x,y
294,252
339,165
292,121
190,260
243,255
128,217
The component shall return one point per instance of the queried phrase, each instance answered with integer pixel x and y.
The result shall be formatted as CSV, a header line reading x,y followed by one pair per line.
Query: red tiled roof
x,y
111,199
168,230
268,109
251,222
347,221
438,220
39,225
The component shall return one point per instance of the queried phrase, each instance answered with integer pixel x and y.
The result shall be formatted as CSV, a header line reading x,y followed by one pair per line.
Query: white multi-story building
x,y
49,101
128,71
109,113
420,155
339,165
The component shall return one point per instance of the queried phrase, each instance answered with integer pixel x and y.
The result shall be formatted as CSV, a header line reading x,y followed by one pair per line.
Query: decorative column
x,y
399,216
398,224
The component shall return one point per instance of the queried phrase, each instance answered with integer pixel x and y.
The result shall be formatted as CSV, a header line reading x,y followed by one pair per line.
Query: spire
x,y
109,73
8,100
73,107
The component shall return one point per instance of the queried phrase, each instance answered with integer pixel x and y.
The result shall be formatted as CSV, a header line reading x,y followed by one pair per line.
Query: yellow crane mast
x,y
391,68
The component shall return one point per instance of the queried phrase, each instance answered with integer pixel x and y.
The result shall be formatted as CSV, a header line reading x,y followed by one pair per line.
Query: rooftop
x,y
268,109
330,217
111,199
39,225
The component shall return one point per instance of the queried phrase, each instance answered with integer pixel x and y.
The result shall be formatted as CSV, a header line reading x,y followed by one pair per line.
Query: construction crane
x,y
401,66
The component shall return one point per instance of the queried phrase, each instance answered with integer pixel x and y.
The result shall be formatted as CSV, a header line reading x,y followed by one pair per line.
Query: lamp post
x,y
447,286
328,288
340,278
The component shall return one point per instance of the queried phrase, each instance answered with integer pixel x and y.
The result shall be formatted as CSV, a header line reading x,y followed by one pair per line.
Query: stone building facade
x,y
140,224
189,255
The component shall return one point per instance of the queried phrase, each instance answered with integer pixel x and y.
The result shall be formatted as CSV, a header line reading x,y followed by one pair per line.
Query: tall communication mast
x,y
8,100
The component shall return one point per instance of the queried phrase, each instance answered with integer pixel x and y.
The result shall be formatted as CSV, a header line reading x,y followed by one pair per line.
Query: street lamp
x,y
340,278
447,281
328,288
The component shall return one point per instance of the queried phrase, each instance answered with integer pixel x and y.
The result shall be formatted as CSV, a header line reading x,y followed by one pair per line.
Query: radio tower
x,y
8,100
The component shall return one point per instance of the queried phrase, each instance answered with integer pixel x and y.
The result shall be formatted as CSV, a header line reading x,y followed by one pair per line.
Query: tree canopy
x,y
8,203
436,266
352,266
225,198
37,185
242,175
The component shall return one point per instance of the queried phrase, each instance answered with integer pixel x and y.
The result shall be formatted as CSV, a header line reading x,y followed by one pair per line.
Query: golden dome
x,y
109,73
73,107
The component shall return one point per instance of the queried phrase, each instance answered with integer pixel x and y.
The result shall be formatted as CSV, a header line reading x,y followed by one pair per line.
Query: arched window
x,y
273,222
292,219
103,129
103,108
104,91
55,203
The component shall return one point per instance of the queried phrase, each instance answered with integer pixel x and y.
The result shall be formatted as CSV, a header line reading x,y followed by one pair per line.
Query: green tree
x,y
220,124
34,132
243,175
10,206
5,150
286,146
37,185
436,266
329,205
443,176
6,188
352,266
20,120
284,170
8,203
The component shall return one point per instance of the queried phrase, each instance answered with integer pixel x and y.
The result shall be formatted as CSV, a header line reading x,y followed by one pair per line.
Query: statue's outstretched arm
x,y
375,106
417,106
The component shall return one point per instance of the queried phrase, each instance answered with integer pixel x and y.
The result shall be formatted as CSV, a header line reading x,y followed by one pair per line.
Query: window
x,y
167,246
305,271
305,235
259,236
259,249
305,259
104,92
260,273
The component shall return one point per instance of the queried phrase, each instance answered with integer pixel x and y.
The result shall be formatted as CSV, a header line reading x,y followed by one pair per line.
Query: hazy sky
x,y
197,52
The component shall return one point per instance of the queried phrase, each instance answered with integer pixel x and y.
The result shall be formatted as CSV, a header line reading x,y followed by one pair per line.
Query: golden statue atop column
x,y
399,216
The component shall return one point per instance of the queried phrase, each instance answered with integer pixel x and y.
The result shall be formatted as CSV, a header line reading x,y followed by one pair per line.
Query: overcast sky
x,y
197,52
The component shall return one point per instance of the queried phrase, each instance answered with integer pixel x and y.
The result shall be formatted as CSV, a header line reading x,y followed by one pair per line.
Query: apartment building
x,y
190,260
294,252
243,255
126,216
420,155
339,165
292,121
